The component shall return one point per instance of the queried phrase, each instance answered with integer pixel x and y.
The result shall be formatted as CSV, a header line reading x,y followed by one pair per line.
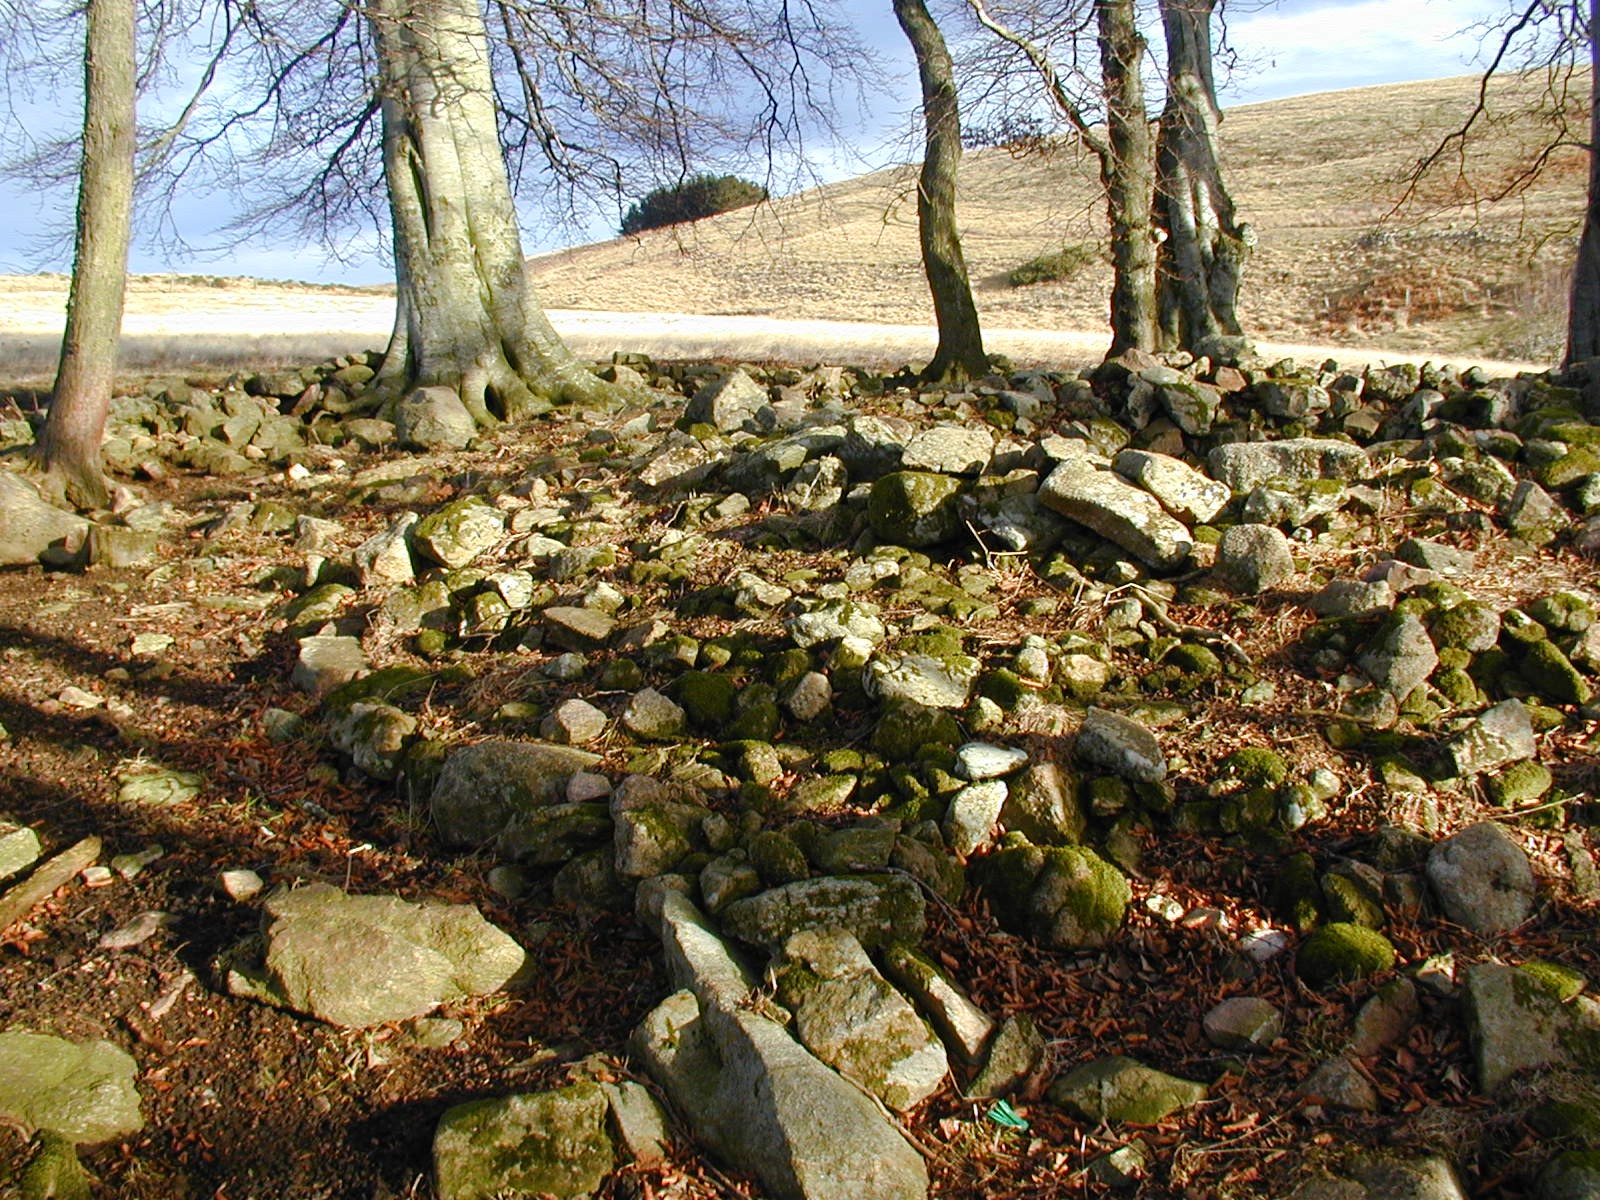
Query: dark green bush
x,y
1054,267
696,197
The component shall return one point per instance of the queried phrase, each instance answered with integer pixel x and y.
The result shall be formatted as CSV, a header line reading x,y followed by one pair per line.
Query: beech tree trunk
x,y
1200,260
69,448
960,353
1583,308
1128,176
465,315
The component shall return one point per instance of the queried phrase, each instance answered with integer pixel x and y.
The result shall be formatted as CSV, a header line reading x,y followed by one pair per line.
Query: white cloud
x,y
1293,49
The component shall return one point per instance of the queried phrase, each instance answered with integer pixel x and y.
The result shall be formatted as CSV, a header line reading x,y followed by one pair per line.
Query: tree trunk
x,y
1583,310
69,448
1205,248
1129,179
960,353
466,316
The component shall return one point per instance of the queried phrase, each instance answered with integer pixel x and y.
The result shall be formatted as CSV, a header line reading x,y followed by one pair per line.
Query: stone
x,y
82,1091
385,557
1401,655
373,736
1437,557
1570,1175
1353,598
459,532
433,418
483,787
732,403
1042,804
120,548
964,1027
1245,465
1385,1018
574,723
810,697
1482,879
981,760
948,450
835,621
19,848
1128,516
577,628
1552,674
1188,494
1243,1023
1251,559
1015,1052
240,884
1066,896
1516,1023
915,508
748,1090
933,682
874,445
358,961
877,909
653,838
327,661
639,1123
853,1019
1341,952
547,1143
1120,746
1378,1175
1497,737
654,717
1339,1083
1119,1089
29,527
1533,515
970,820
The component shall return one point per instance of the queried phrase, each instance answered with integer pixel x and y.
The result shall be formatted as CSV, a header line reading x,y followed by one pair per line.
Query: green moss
x,y
1562,982
787,667
905,729
1107,795
1342,952
1195,661
1563,612
1552,674
1252,810
778,858
1007,877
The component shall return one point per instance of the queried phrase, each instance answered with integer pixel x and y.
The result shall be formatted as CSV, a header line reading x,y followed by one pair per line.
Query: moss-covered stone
x,y
1341,952
1550,673
707,697
1066,896
1195,663
905,729
915,508
1295,896
1254,766
1521,783
779,859
1562,982
1123,1090
553,1143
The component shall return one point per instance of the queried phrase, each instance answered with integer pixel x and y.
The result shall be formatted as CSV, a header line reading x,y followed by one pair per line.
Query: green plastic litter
x,y
1002,1114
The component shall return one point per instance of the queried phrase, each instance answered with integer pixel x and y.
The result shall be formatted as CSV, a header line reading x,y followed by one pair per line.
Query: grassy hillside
x,y
1315,175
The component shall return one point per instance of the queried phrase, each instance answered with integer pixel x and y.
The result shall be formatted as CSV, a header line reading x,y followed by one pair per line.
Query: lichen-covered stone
x,y
1482,879
915,508
460,531
1120,1089
483,786
876,908
1128,516
82,1091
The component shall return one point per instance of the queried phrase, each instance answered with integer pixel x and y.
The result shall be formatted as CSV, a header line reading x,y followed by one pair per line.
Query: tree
x,y
466,316
69,448
1158,190
959,354
1199,262
1551,41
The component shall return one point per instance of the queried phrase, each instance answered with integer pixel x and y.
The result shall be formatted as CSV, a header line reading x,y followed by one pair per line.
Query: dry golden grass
x,y
1315,175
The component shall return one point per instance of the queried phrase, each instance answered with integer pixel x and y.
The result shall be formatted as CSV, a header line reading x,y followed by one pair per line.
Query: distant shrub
x,y
1055,267
696,197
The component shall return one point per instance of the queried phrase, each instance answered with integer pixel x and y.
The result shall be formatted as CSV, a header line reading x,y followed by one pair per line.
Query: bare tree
x,y
1553,44
1205,249
960,351
69,448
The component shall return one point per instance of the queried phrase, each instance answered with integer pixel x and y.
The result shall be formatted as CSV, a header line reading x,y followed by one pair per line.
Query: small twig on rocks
x,y
1153,607
19,901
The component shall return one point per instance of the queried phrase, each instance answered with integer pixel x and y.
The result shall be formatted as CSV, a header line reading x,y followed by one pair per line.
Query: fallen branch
x,y
1158,614
20,900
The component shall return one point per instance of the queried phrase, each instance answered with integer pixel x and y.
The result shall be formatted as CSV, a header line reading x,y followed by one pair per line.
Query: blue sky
x,y
1288,48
